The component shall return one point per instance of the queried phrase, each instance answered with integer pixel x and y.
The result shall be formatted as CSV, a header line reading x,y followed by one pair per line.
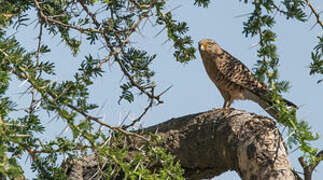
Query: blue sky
x,y
192,90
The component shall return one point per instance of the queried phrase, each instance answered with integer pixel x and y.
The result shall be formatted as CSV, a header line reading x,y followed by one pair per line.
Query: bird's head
x,y
210,47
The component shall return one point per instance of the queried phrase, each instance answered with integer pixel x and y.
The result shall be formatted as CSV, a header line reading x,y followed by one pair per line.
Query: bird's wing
x,y
236,72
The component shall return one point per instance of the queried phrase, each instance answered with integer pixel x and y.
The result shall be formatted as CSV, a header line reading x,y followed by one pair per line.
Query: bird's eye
x,y
209,44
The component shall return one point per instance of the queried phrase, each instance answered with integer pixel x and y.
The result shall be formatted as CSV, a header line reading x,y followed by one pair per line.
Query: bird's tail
x,y
289,103
265,101
269,108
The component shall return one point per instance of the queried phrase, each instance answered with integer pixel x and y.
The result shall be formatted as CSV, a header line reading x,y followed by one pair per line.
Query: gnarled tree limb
x,y
211,143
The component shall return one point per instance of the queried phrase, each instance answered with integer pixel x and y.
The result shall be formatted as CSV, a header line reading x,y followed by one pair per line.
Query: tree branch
x,y
210,143
317,15
309,168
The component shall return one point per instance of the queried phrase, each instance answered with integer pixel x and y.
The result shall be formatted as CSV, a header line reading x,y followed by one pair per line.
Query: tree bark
x,y
210,143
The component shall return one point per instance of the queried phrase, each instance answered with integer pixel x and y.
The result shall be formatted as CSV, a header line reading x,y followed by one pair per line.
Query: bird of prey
x,y
233,79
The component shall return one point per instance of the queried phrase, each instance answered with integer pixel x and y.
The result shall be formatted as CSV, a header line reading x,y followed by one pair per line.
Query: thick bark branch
x,y
211,143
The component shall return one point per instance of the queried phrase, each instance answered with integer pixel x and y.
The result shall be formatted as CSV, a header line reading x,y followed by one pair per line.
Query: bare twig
x,y
42,151
142,114
41,13
317,15
39,43
96,119
279,10
32,101
112,53
165,90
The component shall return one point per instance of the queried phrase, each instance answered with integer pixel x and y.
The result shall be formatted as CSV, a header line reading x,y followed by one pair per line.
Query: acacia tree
x,y
112,23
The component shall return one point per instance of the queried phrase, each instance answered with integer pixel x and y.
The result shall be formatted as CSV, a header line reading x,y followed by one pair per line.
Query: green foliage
x,y
317,56
147,162
176,32
295,9
260,23
68,100
111,23
137,63
203,3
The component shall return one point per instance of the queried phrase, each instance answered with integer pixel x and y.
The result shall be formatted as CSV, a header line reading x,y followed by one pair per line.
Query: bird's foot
x,y
226,111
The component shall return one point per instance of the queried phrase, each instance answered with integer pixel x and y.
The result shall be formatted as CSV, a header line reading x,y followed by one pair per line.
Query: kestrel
x,y
233,79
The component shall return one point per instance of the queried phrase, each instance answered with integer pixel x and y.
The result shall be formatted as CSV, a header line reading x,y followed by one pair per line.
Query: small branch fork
x,y
308,169
146,109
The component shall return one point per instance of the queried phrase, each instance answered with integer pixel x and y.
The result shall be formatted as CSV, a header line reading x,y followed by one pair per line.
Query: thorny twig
x,y
39,43
147,108
116,55
142,114
32,101
317,15
96,119
112,53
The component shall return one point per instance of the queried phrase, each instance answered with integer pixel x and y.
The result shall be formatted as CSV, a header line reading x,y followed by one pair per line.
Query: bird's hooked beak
x,y
202,47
